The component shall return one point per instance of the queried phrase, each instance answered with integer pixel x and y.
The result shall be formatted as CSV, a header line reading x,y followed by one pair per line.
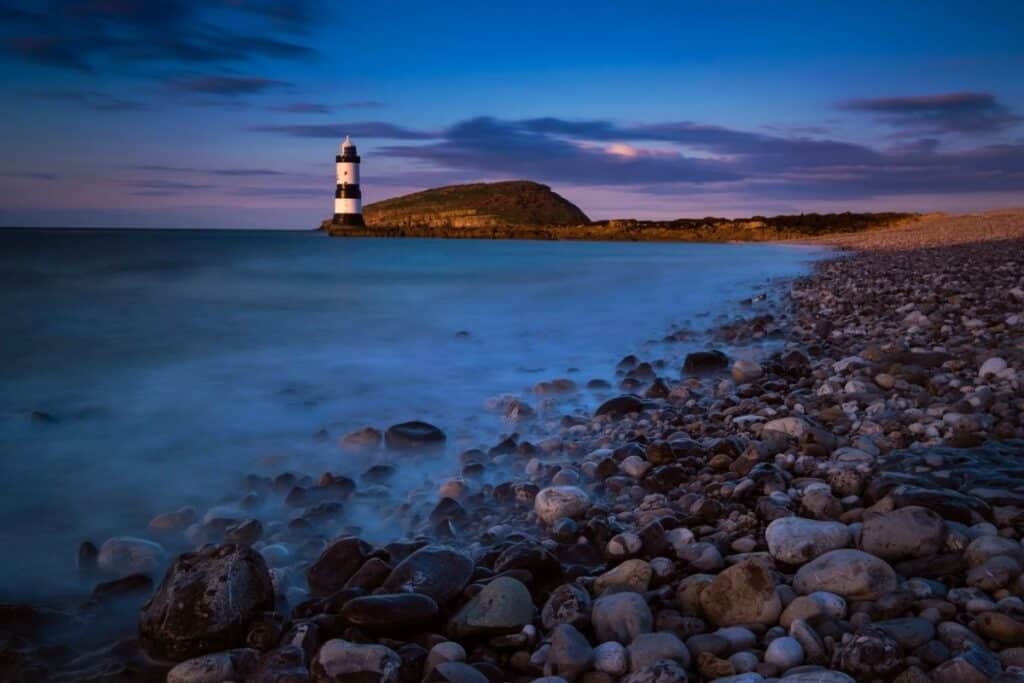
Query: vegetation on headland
x,y
528,210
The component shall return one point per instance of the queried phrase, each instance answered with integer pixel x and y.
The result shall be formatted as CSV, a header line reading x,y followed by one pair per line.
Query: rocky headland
x,y
522,209
832,490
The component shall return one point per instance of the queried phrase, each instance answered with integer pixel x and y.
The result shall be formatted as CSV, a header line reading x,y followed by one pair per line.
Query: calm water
x,y
173,362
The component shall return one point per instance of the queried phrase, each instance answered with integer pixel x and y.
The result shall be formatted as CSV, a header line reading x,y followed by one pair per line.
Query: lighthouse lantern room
x,y
348,200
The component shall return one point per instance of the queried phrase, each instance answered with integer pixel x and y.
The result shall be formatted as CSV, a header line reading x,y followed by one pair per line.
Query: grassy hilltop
x,y
521,209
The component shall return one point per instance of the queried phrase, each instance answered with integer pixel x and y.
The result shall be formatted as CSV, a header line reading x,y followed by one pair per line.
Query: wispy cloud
x,y
91,99
226,86
304,108
366,129
959,112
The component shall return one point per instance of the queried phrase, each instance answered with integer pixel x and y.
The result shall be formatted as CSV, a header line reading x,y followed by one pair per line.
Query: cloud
x,y
959,112
687,158
365,129
226,86
304,108
79,34
28,175
363,104
91,99
210,171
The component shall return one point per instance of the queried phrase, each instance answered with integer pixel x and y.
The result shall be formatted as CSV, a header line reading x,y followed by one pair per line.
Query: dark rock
x,y
704,362
413,435
336,565
435,570
205,603
621,405
394,612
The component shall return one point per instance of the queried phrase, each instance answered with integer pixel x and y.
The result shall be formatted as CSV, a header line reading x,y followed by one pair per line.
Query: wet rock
x,y
415,435
1000,627
394,612
621,405
340,661
795,540
286,664
744,371
868,654
336,565
361,441
125,555
437,571
903,533
704,362
455,672
621,617
556,502
853,574
503,606
742,594
215,668
205,603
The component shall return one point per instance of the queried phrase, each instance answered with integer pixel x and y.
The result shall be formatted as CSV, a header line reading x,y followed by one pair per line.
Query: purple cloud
x,y
959,112
91,99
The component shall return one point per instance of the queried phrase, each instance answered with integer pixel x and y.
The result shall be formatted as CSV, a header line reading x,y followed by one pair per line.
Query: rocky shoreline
x,y
847,507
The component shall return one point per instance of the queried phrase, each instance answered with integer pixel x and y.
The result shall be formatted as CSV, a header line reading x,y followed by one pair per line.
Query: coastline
x,y
642,530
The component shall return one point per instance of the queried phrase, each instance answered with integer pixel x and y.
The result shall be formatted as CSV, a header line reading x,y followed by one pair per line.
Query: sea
x,y
144,370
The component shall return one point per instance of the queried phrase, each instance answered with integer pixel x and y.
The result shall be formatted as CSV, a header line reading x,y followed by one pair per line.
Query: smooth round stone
x,y
904,533
503,606
382,612
555,502
739,638
784,653
648,648
707,642
852,574
570,654
457,672
567,604
414,435
910,632
434,570
124,555
744,662
612,658
795,540
621,617
742,594
448,651
634,575
744,371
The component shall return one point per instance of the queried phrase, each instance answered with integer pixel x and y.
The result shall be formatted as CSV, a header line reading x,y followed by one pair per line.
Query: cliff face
x,y
509,204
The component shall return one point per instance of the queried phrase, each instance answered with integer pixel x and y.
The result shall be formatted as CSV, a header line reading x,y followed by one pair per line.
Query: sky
x,y
228,113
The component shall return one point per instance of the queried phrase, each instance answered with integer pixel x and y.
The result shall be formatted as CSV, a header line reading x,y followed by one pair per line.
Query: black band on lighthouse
x,y
347,191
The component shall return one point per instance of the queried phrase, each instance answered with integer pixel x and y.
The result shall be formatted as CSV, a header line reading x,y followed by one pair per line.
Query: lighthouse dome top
x,y
347,143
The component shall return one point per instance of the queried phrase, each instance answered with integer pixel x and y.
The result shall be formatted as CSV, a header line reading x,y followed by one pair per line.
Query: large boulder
x,y
907,532
742,594
853,574
414,435
205,603
435,570
340,661
503,606
795,540
336,565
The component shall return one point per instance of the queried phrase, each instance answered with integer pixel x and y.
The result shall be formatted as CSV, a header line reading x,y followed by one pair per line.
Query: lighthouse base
x,y
351,219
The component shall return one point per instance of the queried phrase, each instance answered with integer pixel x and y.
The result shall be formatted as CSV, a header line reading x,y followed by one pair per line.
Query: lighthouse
x,y
348,200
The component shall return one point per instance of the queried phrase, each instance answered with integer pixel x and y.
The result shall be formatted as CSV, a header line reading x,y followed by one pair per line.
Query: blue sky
x,y
226,113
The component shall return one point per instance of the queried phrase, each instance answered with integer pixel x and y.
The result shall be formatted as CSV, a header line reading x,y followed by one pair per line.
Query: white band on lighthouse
x,y
348,202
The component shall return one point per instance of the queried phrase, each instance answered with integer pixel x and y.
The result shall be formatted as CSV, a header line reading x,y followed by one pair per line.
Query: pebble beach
x,y
832,490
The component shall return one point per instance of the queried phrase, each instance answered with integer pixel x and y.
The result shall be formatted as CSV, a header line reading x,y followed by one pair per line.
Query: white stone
x,y
993,366
744,371
611,658
796,427
784,653
556,502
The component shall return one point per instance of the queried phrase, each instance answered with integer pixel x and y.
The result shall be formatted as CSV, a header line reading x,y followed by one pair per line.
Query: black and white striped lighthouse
x,y
348,200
